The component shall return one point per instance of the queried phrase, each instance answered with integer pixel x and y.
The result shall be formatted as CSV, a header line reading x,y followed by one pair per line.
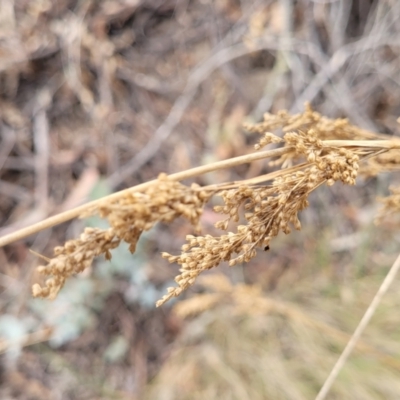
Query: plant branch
x,y
179,176
381,144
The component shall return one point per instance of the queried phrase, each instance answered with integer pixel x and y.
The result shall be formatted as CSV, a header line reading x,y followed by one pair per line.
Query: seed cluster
x,y
268,210
267,138
128,216
72,258
164,201
327,128
334,163
257,212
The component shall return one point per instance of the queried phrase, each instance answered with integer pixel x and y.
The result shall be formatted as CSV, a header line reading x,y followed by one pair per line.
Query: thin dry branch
x,y
359,330
76,212
179,176
332,150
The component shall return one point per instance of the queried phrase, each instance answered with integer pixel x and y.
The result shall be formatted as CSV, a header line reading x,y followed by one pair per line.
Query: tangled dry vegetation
x,y
108,88
283,341
316,151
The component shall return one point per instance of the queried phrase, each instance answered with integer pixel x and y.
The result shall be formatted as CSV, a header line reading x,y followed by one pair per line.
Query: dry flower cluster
x,y
128,216
327,128
268,209
322,127
316,150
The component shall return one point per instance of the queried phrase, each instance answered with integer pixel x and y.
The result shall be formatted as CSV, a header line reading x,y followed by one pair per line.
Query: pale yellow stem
x,y
375,144
179,176
190,173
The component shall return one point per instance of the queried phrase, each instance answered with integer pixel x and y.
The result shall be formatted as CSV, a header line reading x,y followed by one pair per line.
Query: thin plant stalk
x,y
359,330
179,176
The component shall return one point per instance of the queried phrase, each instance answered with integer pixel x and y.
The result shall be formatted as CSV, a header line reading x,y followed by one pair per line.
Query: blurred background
x,y
99,95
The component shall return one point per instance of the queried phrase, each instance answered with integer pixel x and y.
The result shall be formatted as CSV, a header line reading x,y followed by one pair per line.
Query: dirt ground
x,y
96,96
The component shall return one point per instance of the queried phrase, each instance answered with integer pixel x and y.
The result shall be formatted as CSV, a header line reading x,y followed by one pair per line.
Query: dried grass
x,y
327,153
312,156
291,339
128,216
68,67
316,151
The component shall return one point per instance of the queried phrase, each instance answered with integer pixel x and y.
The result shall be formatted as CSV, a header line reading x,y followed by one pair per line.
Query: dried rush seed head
x,y
74,257
128,216
260,212
269,210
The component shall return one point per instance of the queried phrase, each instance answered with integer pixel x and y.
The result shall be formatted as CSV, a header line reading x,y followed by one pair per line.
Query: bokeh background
x,y
99,95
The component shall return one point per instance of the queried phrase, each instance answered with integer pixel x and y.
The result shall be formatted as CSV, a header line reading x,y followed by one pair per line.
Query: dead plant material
x,y
386,162
128,216
316,150
268,210
262,341
391,205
